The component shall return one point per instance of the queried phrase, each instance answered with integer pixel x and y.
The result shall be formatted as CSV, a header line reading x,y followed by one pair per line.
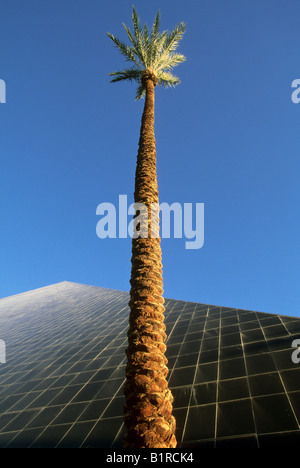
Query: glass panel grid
x,y
62,383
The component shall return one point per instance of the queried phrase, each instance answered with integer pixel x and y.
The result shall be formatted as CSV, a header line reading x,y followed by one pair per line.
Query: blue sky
x,y
227,136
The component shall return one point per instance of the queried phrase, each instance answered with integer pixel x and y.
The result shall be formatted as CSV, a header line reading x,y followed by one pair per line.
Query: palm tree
x,y
148,408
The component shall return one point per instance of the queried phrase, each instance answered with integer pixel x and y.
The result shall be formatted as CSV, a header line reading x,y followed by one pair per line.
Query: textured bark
x,y
148,409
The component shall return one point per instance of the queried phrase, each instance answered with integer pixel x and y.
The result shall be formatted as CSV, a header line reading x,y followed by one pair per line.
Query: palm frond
x,y
167,79
138,33
147,46
175,37
170,62
156,39
150,49
140,92
127,74
156,27
125,50
136,49
170,44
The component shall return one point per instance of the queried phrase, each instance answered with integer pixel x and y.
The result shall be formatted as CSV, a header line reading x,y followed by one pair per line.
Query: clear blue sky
x,y
227,136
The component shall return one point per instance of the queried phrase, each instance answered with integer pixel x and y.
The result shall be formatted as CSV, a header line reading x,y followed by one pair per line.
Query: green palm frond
x,y
152,49
127,74
164,61
140,92
155,27
136,24
167,79
170,62
173,39
125,50
137,50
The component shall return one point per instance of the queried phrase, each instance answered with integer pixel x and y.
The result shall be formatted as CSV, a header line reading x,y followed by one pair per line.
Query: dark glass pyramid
x,y
231,371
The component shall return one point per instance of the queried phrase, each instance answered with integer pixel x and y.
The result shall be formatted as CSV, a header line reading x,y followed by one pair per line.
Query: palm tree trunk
x,y
148,408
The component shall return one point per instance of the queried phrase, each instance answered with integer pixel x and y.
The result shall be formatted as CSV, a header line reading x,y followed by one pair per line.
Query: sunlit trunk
x,y
148,409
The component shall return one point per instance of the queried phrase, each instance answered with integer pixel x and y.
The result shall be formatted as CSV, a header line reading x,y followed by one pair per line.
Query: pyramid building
x,y
234,374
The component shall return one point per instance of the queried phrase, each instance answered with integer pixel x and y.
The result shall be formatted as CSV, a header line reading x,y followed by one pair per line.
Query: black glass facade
x,y
232,375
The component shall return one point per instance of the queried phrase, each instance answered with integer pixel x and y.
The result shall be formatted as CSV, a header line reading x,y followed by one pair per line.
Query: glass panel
x,y
232,368
186,360
291,379
265,384
200,423
293,327
210,343
76,435
51,437
230,329
231,352
208,356
283,359
249,325
181,396
238,442
274,413
116,408
203,394
275,331
281,440
69,414
180,416
229,321
235,418
276,344
189,347
94,409
233,389
260,363
230,340
206,372
252,335
182,376
103,433
257,347
267,321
